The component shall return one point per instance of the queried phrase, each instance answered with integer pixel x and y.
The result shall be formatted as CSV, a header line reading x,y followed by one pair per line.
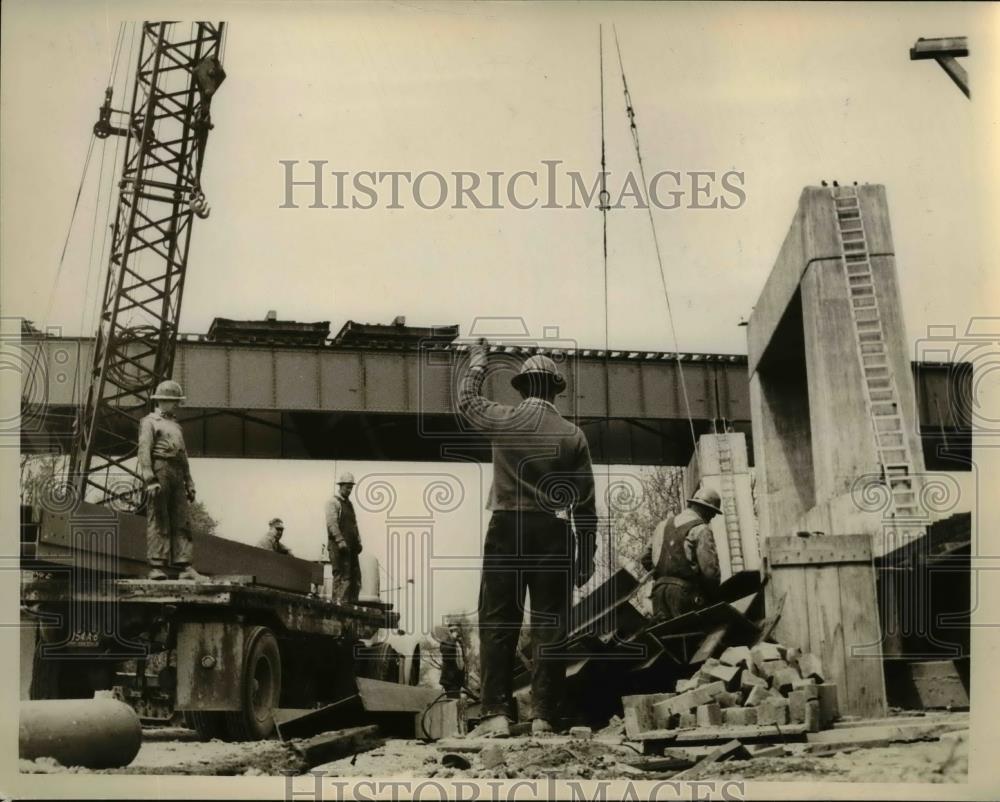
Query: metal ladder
x,y
730,515
881,393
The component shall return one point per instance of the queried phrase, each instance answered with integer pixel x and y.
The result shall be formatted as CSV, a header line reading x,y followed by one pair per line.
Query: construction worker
x,y
542,478
163,465
453,663
343,541
686,571
272,540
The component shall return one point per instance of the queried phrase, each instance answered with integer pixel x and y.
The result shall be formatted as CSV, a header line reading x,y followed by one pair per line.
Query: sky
x,y
785,94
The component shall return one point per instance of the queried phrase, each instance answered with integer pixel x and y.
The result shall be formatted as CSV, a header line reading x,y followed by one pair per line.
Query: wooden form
x,y
828,586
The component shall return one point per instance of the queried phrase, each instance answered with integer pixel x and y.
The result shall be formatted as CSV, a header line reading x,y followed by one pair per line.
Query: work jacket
x,y
342,526
161,437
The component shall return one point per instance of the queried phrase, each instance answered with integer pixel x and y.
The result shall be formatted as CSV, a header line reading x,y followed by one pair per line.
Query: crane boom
x,y
166,130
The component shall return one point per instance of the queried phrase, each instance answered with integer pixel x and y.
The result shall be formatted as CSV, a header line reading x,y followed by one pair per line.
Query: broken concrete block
x,y
758,695
709,715
726,674
810,666
632,725
729,699
583,733
736,656
664,715
784,679
686,684
739,716
797,707
772,711
812,716
704,694
749,680
829,709
765,651
687,720
768,668
807,686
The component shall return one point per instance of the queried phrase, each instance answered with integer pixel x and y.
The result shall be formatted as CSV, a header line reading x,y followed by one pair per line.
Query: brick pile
x,y
766,684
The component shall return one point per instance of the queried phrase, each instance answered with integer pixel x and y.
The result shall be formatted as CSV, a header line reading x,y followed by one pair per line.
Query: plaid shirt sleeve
x,y
478,411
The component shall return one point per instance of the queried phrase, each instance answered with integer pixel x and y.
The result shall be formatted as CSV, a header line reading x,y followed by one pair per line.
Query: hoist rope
x,y
630,111
603,205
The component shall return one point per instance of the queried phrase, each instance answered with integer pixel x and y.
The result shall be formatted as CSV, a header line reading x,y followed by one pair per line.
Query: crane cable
x,y
603,206
630,111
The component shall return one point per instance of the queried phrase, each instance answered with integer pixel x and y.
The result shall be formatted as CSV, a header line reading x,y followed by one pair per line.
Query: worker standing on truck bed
x,y
163,465
344,541
542,476
686,571
272,540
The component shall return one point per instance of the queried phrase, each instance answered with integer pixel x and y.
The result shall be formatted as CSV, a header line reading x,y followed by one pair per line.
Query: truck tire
x,y
209,724
260,688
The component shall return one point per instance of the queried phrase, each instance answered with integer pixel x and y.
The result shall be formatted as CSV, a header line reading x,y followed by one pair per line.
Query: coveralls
x,y
163,459
343,548
686,571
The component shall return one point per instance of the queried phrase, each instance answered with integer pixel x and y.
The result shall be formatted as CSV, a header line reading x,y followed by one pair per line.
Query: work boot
x,y
157,573
188,572
540,726
492,727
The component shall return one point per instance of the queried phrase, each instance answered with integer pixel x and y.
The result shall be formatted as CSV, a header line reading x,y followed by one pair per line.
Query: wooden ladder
x,y
881,392
730,515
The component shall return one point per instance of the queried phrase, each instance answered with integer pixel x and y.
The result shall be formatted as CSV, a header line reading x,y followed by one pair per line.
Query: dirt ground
x,y
176,751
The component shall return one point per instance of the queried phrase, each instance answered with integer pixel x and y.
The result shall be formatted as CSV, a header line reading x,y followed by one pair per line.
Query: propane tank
x,y
369,579
94,733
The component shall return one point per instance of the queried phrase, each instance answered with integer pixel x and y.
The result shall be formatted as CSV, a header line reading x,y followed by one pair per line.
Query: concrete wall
x,y
813,433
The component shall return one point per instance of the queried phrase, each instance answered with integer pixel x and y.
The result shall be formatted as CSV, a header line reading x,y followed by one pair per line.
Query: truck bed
x,y
298,612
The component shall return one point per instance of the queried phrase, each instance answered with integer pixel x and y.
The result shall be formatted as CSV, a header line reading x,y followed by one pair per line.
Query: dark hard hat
x,y
707,498
276,522
536,370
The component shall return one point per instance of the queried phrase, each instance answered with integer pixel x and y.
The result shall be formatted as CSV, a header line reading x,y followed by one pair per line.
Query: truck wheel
x,y
260,688
207,723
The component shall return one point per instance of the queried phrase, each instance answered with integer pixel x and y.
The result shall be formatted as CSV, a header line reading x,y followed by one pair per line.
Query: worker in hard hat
x,y
543,490
686,569
163,466
343,541
272,540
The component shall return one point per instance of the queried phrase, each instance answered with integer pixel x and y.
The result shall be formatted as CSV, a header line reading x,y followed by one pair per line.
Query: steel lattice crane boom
x,y
166,130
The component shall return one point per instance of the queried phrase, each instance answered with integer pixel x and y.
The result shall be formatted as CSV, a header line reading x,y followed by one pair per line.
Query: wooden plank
x,y
719,734
793,626
731,750
816,549
862,649
885,733
826,632
335,745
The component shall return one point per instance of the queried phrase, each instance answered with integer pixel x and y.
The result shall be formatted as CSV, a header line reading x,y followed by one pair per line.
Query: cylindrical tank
x,y
94,733
369,578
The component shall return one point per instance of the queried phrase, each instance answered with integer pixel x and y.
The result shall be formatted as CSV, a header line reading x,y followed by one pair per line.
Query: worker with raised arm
x,y
272,540
343,541
163,466
543,485
686,569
